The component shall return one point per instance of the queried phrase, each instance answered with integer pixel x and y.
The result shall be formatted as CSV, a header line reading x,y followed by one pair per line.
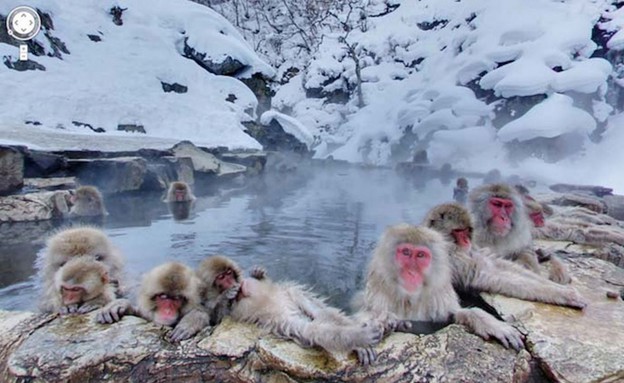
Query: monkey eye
x,y
407,252
228,272
420,254
99,257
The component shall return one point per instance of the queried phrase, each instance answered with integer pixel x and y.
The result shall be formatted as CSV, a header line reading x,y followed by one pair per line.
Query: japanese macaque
x,y
292,311
476,269
87,201
179,191
80,286
410,279
219,285
74,243
220,281
167,293
577,224
460,192
502,224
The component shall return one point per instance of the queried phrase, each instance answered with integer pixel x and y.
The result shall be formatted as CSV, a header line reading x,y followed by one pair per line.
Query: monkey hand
x,y
258,272
87,308
572,298
192,323
69,309
506,334
232,292
114,311
365,355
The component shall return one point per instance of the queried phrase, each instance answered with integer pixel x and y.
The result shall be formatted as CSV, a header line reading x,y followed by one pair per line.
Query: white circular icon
x,y
23,23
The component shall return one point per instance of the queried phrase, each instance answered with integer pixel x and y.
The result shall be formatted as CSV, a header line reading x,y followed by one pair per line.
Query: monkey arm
x,y
486,326
506,278
193,322
115,310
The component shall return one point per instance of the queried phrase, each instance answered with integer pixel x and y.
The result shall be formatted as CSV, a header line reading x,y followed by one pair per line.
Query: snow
x,y
118,80
554,116
445,83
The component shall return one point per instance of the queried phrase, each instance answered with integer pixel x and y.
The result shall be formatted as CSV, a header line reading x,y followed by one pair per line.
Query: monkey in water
x,y
167,294
409,279
460,192
291,311
502,224
87,201
180,200
179,191
80,286
77,242
476,269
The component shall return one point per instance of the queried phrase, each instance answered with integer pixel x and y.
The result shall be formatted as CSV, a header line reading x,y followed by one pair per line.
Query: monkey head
x,y
180,191
454,222
414,256
76,242
462,183
498,206
219,272
535,210
167,293
81,279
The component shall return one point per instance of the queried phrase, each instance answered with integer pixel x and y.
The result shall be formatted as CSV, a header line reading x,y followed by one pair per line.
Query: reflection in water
x,y
318,229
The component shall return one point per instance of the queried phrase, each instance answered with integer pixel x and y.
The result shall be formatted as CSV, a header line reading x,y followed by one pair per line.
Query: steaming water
x,y
317,229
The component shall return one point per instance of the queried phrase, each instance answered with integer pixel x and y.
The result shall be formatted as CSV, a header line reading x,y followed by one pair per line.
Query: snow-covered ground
x,y
440,68
118,79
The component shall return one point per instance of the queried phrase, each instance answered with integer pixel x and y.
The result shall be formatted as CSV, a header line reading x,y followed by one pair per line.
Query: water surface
x,y
317,227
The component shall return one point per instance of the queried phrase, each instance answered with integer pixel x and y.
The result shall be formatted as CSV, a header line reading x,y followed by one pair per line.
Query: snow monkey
x,y
87,201
502,224
219,284
475,269
460,192
292,311
80,286
179,191
167,293
409,279
72,243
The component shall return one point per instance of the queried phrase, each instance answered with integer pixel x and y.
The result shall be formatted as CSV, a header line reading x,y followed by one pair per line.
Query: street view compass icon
x,y
23,23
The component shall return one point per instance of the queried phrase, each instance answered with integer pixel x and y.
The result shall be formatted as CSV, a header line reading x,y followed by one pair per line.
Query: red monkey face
x,y
180,195
71,294
413,261
167,309
501,210
537,218
225,280
462,238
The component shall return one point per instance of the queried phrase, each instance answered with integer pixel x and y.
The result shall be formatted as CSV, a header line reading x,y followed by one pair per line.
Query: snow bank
x,y
118,80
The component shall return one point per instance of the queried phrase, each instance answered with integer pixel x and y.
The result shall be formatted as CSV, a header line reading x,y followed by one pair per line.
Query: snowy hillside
x,y
112,75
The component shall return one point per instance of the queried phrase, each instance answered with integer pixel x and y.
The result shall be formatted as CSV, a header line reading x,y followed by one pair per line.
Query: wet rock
x,y
615,206
583,200
11,169
573,345
59,183
272,137
111,175
77,349
161,172
41,164
175,87
598,191
34,206
205,162
255,162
